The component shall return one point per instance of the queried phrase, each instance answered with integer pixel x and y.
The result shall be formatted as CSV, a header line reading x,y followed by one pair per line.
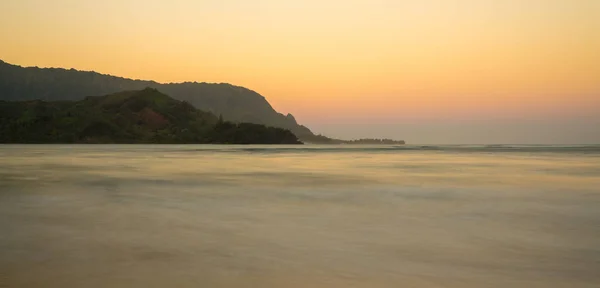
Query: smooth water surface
x,y
299,216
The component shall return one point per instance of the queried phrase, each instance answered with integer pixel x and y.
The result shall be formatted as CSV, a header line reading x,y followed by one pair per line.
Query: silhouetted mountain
x,y
236,104
145,116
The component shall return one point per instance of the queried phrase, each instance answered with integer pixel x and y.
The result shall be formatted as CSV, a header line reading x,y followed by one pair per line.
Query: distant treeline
x,y
375,141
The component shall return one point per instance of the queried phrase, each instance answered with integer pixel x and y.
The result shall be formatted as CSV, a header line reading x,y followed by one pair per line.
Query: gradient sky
x,y
427,71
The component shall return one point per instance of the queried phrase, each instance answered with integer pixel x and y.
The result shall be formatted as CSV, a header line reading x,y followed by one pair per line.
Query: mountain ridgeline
x,y
144,116
235,104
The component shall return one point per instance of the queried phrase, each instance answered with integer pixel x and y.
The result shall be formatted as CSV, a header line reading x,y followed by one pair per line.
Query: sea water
x,y
299,216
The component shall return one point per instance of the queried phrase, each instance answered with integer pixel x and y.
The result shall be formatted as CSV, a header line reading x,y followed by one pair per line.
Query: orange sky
x,y
332,61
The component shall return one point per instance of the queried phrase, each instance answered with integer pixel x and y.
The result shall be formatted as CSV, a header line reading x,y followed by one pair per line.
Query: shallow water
x,y
299,216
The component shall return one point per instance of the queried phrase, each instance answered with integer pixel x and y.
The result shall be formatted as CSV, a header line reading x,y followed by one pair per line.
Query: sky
x,y
426,71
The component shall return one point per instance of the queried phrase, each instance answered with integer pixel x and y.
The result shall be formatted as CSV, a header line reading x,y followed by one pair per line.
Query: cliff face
x,y
234,103
237,104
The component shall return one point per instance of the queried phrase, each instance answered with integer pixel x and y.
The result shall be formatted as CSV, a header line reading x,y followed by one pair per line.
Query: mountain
x,y
234,103
144,116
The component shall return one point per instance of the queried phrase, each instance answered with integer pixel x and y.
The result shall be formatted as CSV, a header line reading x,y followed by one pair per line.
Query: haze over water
x,y
299,216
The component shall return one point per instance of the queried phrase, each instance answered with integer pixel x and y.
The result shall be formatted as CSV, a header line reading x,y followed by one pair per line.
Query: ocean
x,y
299,216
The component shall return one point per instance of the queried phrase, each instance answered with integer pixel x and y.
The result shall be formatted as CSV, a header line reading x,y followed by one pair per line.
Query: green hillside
x,y
144,116
236,104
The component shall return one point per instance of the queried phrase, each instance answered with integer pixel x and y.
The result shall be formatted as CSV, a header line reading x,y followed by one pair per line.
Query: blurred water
x,y
299,216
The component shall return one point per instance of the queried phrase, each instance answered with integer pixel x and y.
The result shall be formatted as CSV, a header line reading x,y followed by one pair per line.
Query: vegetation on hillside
x,y
145,116
236,104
